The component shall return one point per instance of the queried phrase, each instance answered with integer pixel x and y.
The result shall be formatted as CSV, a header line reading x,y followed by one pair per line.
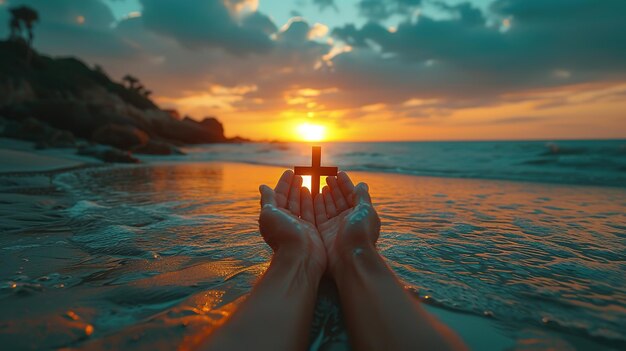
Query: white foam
x,y
82,207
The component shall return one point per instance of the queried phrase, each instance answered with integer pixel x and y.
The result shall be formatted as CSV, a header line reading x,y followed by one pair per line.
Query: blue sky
x,y
409,69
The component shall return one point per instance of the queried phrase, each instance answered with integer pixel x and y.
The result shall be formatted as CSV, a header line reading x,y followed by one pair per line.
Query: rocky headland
x,y
62,102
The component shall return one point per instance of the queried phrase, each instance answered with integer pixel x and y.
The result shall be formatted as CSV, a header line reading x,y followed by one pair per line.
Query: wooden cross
x,y
316,170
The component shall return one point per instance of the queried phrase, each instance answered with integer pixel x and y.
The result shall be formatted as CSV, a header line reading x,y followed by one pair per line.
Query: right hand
x,y
346,219
287,223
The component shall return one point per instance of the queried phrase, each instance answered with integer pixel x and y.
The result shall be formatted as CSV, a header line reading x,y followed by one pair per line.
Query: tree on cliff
x,y
132,81
23,16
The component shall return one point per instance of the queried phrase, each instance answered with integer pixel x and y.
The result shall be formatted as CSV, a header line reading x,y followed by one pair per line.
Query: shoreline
x,y
22,158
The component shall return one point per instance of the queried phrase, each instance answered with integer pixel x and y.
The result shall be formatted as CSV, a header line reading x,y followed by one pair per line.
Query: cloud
x,y
378,10
519,50
259,22
95,13
464,57
208,23
71,27
324,4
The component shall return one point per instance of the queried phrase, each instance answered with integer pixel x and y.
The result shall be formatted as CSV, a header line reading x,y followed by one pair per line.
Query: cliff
x,y
54,101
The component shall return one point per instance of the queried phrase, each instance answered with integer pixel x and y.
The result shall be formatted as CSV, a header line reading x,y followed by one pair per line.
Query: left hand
x,y
287,222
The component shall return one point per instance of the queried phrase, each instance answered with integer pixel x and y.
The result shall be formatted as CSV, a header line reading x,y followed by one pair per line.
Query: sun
x,y
311,132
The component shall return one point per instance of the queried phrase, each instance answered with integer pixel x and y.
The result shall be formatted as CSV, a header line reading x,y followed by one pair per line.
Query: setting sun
x,y
311,132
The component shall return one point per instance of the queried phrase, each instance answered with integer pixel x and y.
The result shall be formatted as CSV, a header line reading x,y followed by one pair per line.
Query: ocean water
x,y
155,255
601,162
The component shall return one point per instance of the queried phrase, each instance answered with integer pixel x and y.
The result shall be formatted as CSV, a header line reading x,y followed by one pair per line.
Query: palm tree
x,y
16,28
26,16
132,81
133,84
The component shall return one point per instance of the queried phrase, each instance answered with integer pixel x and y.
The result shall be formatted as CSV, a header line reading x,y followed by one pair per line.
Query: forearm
x,y
379,313
277,314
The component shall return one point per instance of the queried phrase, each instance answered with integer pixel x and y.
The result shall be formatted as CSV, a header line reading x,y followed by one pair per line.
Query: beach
x,y
134,137
156,255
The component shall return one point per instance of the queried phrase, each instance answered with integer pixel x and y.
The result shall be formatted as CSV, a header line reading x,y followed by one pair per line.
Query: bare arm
x,y
380,314
277,315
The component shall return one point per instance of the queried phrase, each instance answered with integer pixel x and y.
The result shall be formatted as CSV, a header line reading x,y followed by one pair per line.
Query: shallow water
x,y
155,256
585,162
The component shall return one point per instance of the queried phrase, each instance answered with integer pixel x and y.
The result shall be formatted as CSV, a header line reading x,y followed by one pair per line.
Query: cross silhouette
x,y
316,170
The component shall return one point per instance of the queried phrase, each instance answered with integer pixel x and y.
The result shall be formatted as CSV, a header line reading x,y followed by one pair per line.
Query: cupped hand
x,y
287,222
345,218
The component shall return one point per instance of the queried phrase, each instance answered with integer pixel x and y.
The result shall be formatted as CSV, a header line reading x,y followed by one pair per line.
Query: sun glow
x,y
306,182
311,132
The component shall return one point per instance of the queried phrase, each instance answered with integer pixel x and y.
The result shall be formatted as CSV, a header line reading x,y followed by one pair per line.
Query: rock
x,y
59,139
107,154
212,125
212,131
154,147
239,140
123,137
34,130
15,92
67,95
118,156
188,131
173,113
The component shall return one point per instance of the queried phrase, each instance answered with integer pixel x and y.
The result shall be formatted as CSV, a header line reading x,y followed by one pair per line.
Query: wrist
x,y
363,257
301,265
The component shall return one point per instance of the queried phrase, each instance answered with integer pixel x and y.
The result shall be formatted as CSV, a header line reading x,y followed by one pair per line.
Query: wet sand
x,y
147,257
22,157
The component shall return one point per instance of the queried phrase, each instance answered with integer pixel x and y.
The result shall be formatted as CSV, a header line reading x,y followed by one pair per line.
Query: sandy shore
x,y
21,156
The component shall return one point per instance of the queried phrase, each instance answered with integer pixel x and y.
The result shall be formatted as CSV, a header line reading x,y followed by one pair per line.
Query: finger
x,y
306,206
294,195
340,200
282,188
362,194
268,197
320,210
346,186
331,209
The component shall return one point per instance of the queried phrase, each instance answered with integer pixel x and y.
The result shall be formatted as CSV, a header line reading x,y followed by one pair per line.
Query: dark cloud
x,y
289,63
95,13
324,4
543,48
466,12
582,35
208,23
382,9
68,27
259,22
424,67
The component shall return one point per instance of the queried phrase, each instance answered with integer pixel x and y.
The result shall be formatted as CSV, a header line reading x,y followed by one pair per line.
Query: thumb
x,y
361,194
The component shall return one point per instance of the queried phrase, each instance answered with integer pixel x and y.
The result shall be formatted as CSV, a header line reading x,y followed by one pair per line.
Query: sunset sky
x,y
361,69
